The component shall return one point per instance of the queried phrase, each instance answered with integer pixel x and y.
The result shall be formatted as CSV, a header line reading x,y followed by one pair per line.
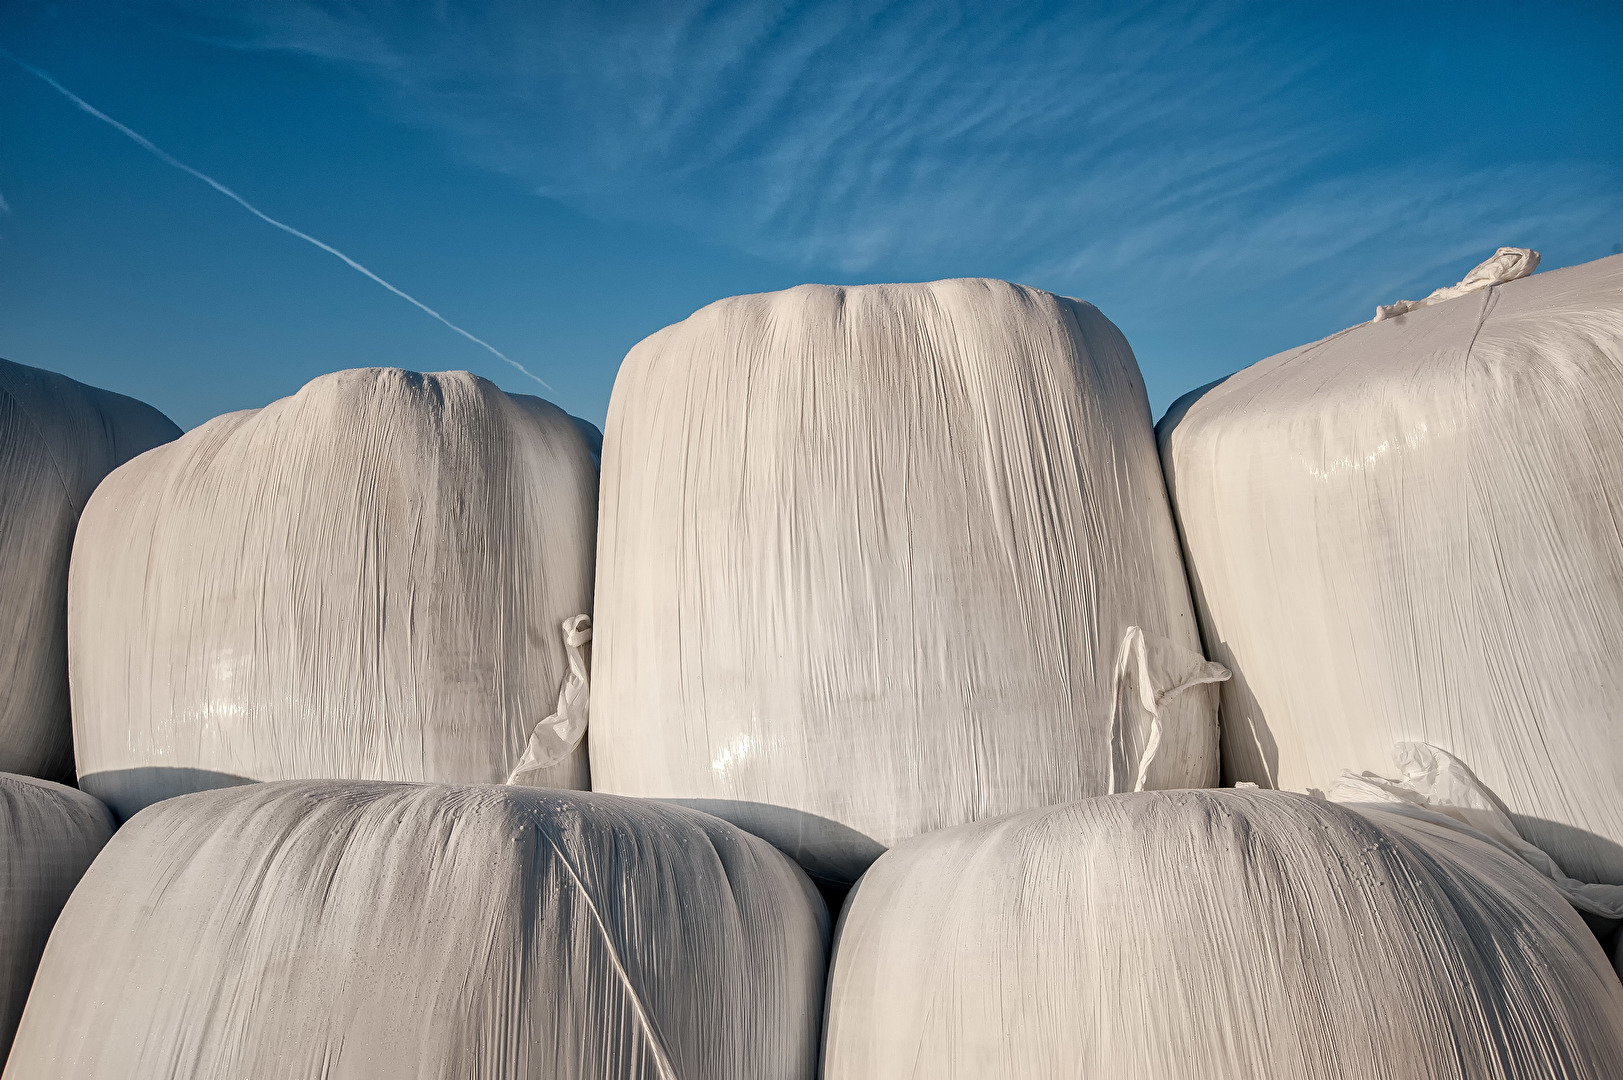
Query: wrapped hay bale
x,y
351,929
1410,532
48,836
367,580
58,438
1223,934
884,559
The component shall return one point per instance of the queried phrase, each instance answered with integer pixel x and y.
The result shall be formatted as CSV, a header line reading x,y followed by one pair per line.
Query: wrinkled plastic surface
x,y
1224,934
363,581
58,438
385,930
1409,532
48,836
869,555
1438,787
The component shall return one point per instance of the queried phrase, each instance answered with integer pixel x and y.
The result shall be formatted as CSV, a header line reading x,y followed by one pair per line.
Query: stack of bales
x,y
387,578
58,439
878,561
878,567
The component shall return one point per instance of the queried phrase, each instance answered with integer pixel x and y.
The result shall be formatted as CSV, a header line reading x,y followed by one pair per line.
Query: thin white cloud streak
x,y
5,207
168,159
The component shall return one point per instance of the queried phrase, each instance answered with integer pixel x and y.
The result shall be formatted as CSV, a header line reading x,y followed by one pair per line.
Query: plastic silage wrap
x,y
367,580
1225,934
883,559
346,930
1410,532
58,438
48,836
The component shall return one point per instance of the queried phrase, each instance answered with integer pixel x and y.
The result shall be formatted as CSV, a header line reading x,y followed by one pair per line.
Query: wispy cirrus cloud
x,y
1182,147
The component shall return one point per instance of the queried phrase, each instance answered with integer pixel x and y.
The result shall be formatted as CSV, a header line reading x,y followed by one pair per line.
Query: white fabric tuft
x,y
1507,264
1436,786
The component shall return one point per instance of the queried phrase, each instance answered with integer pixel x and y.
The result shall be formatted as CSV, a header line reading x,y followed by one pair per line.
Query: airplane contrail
x,y
168,159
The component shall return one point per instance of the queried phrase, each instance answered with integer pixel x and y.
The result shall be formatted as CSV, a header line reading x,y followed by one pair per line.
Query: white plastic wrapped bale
x,y
347,930
367,580
885,559
1409,532
48,836
58,438
1225,934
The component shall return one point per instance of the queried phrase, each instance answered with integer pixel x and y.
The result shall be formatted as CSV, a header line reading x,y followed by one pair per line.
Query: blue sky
x,y
1223,180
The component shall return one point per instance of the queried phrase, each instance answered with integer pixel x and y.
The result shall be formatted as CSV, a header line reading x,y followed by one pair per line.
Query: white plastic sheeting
x,y
1410,532
58,438
48,836
557,737
868,559
1224,934
367,580
1436,786
1152,674
1506,264
347,930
